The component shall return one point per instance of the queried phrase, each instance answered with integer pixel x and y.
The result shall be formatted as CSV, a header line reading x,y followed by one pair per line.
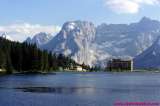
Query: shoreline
x,y
55,72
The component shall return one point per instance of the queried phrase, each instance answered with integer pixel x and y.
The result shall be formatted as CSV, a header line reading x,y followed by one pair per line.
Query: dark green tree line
x,y
27,57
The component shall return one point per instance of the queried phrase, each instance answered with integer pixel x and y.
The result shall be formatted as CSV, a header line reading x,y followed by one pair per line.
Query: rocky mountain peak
x,y
4,35
39,39
148,24
78,29
150,57
145,19
75,39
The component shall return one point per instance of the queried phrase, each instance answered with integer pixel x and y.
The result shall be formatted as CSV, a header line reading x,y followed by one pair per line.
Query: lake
x,y
79,89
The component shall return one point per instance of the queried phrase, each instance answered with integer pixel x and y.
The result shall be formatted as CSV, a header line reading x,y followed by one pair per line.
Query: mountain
x,y
150,58
40,39
127,39
76,39
92,45
4,35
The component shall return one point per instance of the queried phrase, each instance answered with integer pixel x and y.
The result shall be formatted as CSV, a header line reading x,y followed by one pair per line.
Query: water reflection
x,y
59,90
90,90
71,89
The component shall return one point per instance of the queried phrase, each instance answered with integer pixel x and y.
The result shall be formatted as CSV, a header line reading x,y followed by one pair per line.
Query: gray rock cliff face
x,y
150,58
76,39
92,45
39,39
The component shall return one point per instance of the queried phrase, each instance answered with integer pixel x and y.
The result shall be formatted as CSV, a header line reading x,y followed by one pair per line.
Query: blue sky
x,y
49,12
53,13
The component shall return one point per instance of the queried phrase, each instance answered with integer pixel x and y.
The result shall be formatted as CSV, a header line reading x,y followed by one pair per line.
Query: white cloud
x,y
128,6
21,31
148,2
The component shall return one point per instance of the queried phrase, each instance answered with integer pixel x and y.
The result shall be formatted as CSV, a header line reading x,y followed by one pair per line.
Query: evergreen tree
x,y
9,66
2,59
45,61
35,58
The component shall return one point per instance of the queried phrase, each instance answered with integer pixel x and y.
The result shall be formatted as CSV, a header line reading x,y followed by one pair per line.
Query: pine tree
x,y
45,61
35,59
9,66
54,62
2,59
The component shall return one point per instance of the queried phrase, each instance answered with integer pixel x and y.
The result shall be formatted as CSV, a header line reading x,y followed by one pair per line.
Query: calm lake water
x,y
79,89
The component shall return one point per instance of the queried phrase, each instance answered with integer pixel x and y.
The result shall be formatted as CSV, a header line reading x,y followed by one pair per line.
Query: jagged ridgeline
x,y
24,57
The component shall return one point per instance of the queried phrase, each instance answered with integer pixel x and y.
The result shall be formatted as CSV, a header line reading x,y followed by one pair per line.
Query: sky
x,y
28,17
